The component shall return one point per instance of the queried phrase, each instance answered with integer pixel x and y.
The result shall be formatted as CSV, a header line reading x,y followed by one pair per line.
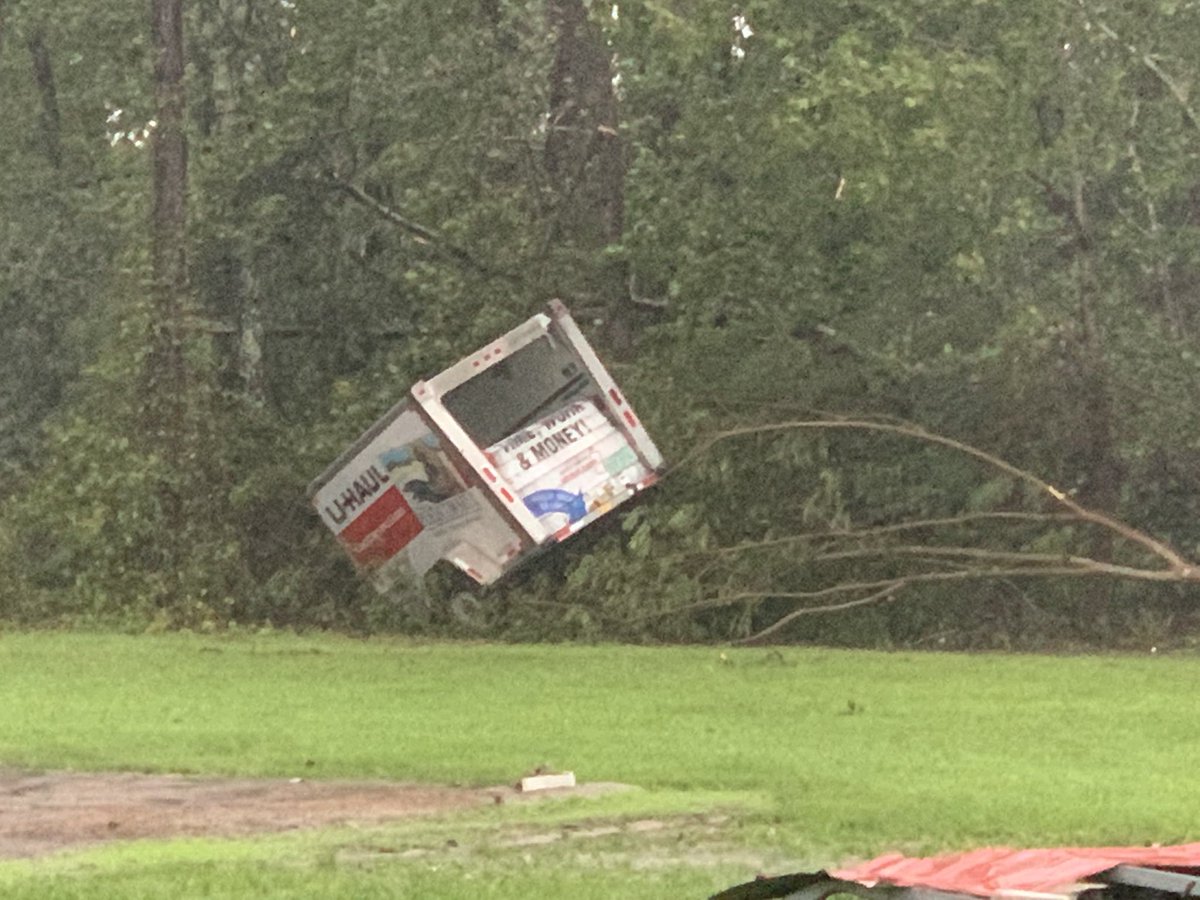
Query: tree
x,y
976,217
864,212
167,382
585,161
43,74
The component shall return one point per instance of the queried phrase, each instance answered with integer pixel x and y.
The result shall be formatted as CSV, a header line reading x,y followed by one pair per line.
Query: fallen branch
x,y
944,563
758,596
851,586
1183,570
884,594
886,590
851,534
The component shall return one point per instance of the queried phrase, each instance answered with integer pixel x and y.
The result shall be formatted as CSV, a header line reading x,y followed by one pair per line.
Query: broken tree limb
x,y
875,531
916,562
880,587
1183,569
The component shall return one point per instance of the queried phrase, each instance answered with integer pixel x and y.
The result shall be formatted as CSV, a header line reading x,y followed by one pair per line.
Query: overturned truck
x,y
510,450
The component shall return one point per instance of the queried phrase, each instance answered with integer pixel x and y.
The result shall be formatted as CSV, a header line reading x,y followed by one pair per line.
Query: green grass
x,y
820,754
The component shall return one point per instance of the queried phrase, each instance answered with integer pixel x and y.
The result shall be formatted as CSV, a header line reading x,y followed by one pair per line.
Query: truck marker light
x,y
491,476
616,396
629,417
470,570
506,495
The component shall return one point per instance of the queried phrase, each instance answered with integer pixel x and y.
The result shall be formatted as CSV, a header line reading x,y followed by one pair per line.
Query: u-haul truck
x,y
514,448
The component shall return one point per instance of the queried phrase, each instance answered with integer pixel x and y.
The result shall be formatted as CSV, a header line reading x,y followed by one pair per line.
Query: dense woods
x,y
234,232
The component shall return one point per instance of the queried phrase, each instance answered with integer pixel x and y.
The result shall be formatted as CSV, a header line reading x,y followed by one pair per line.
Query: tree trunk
x,y
166,368
43,76
1099,451
169,215
585,159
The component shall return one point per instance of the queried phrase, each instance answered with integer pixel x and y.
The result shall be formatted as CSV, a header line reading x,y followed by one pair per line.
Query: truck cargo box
x,y
512,449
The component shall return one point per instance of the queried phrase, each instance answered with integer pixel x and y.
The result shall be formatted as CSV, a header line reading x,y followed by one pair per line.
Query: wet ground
x,y
42,813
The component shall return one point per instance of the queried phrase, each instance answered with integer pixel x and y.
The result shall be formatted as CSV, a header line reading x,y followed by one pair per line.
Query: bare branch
x,y
1150,63
1161,266
1177,92
941,563
886,590
933,552
200,325
419,232
884,594
755,596
1182,569
849,587
851,534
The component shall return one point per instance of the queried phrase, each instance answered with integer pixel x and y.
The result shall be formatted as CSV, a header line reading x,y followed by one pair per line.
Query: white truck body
x,y
516,447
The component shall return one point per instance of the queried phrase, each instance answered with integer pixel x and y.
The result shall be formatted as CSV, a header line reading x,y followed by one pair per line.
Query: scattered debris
x,y
544,782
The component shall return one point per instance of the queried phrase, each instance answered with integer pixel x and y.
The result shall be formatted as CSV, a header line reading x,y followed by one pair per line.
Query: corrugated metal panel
x,y
995,871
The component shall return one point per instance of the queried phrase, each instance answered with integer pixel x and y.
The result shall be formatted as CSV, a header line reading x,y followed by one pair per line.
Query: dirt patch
x,y
44,813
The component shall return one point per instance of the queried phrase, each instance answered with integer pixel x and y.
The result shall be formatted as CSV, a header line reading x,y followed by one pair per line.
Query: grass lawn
x,y
811,756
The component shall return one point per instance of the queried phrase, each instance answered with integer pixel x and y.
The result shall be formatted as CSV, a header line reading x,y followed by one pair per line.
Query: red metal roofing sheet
x,y
997,870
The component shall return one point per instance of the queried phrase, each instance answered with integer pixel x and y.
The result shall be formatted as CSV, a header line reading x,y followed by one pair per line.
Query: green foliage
x,y
511,878
979,218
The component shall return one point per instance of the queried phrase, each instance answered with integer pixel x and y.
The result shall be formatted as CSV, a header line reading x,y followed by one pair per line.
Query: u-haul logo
x,y
355,497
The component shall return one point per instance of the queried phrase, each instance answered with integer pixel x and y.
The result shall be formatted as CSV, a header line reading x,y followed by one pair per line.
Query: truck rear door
x,y
538,415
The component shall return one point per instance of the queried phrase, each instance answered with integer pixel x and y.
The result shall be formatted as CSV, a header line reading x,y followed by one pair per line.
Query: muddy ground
x,y
46,812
